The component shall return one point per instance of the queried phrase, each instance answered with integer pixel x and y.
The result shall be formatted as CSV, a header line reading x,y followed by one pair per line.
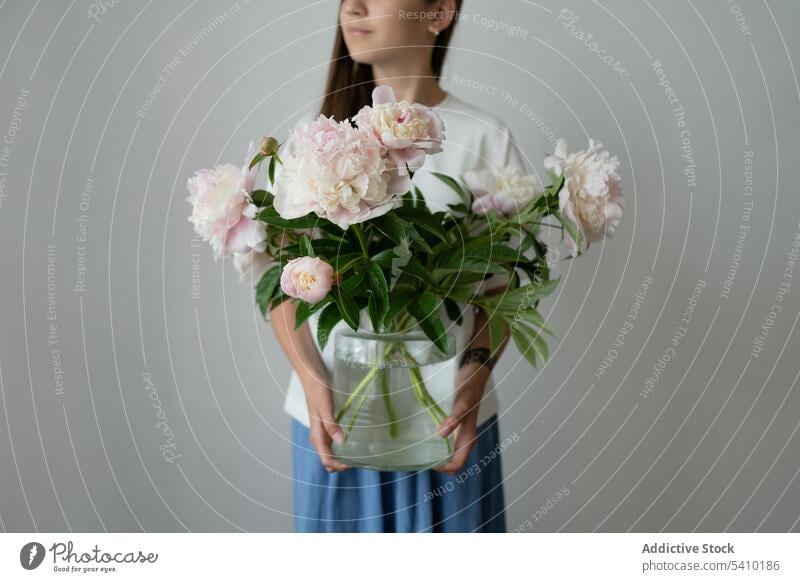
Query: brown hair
x,y
350,84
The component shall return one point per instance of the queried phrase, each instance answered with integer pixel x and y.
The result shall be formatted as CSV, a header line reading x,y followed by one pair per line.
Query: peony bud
x,y
269,146
307,278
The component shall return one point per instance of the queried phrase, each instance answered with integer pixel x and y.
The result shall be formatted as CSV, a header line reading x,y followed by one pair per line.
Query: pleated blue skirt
x,y
363,500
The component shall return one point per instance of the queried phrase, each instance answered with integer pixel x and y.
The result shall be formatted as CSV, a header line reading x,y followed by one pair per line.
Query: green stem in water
x,y
394,428
418,385
428,403
361,386
356,411
425,396
356,391
423,390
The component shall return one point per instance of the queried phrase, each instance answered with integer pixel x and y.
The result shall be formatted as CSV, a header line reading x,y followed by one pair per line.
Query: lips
x,y
357,31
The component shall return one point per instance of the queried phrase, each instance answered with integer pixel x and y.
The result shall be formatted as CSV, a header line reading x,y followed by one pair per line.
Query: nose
x,y
354,8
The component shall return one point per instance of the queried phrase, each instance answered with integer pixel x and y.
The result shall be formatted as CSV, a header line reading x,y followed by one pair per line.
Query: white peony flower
x,y
408,131
505,189
591,196
337,172
219,199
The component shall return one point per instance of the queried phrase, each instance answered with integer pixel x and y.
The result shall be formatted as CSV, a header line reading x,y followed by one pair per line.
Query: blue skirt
x,y
363,500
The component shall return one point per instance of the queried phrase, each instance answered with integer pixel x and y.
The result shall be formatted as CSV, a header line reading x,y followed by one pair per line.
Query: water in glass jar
x,y
386,426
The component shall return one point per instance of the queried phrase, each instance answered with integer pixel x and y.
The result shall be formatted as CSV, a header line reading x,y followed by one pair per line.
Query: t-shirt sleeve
x,y
508,154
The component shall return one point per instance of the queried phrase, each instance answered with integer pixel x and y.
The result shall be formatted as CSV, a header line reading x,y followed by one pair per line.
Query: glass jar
x,y
391,391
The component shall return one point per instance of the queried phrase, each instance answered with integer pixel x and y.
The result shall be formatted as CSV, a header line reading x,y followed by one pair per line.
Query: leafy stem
x,y
362,241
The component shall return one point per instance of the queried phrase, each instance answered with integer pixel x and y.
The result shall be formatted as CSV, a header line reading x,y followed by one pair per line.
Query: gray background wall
x,y
713,446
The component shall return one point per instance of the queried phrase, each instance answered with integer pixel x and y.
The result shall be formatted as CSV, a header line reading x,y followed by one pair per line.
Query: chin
x,y
364,59
365,53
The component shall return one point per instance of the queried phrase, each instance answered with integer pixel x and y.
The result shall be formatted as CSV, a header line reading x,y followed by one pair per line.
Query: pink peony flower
x,y
247,234
307,278
408,131
219,197
337,172
591,196
506,189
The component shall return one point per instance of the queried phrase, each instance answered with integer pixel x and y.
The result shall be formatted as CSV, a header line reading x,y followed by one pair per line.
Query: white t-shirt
x,y
474,139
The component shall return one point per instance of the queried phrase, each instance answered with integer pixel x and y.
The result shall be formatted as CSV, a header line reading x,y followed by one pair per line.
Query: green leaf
x,y
271,170
544,351
471,265
373,311
525,295
452,256
348,308
453,310
525,346
532,316
327,247
271,216
498,252
418,240
416,269
377,282
305,310
426,311
457,278
463,194
571,228
391,226
397,229
420,199
497,331
329,317
328,227
530,344
385,258
266,288
261,197
459,208
555,187
305,246
423,219
353,283
343,263
256,160
278,300
399,298
541,248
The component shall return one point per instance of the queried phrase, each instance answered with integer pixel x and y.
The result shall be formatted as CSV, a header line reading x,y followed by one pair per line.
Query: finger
x,y
329,423
329,461
457,462
321,441
449,424
465,441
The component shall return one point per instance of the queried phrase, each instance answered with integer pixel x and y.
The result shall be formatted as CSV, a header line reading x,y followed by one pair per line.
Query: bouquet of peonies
x,y
341,230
